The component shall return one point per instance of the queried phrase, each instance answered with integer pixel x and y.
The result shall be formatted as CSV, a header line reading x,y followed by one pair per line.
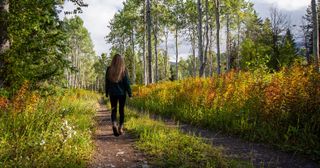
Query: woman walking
x,y
117,85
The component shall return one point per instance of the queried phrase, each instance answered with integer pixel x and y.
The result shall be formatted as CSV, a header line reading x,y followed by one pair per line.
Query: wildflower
x,y
42,142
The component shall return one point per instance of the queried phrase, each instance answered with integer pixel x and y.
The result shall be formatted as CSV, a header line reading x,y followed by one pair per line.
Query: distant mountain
x,y
300,44
172,63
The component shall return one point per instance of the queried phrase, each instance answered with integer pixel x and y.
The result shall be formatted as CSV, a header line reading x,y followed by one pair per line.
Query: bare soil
x,y
114,151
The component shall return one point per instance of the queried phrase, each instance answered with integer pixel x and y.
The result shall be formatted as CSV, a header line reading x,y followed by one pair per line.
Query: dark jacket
x,y
117,89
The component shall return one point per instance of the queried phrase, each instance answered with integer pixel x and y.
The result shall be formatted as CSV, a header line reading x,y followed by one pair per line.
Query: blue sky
x,y
97,16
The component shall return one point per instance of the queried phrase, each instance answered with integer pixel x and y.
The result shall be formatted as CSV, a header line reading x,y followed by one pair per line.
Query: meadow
x,y
39,130
281,109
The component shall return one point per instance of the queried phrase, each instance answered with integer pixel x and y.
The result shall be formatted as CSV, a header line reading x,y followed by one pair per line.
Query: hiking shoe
x,y
115,131
120,131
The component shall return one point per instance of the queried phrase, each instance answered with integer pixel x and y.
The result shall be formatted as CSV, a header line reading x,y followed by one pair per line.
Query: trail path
x,y
260,155
114,151
119,151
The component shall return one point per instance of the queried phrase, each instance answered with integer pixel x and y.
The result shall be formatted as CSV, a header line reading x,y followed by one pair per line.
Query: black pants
x,y
114,102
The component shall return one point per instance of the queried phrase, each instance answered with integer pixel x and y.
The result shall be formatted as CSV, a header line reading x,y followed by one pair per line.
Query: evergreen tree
x,y
257,47
288,51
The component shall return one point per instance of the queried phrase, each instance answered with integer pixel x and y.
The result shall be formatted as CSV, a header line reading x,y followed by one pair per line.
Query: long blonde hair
x,y
117,69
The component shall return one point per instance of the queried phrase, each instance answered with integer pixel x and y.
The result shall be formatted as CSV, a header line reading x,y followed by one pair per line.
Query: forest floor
x,y
120,151
114,151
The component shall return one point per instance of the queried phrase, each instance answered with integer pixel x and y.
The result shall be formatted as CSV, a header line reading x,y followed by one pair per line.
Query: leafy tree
x,y
178,22
279,25
100,67
191,29
37,43
257,46
81,55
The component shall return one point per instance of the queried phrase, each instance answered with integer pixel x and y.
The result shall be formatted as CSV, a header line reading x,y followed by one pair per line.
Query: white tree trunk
x,y
149,41
155,34
133,58
166,53
200,47
315,33
217,13
228,43
177,54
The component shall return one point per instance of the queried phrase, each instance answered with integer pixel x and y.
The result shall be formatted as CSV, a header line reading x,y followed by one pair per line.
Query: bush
x,y
282,109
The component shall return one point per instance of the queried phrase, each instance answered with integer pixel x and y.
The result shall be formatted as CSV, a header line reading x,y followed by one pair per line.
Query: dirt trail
x,y
260,155
119,151
114,151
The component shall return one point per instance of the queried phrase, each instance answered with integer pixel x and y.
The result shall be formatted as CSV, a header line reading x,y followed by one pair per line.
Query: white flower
x,y
42,142
65,123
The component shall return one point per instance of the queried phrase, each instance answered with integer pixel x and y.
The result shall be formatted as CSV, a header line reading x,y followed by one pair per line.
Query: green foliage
x,y
47,132
254,56
281,109
37,42
81,55
258,49
288,51
100,67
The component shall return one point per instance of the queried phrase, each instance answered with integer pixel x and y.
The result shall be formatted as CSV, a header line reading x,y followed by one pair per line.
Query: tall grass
x,y
52,131
282,109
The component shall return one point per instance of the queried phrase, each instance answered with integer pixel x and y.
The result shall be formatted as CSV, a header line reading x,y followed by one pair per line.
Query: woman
x,y
117,85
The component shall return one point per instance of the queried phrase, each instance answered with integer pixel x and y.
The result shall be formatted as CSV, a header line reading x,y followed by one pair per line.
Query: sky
x,y
99,12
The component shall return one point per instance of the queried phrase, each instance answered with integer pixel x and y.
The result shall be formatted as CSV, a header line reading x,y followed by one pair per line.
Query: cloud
x,y
99,13
288,5
96,18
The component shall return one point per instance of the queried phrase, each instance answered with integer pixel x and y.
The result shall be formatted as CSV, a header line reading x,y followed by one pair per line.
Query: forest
x,y
255,79
230,35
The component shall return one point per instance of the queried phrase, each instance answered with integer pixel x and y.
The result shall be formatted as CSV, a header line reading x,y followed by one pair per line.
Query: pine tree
x,y
288,51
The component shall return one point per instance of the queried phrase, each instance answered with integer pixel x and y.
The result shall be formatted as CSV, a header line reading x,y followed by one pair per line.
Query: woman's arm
x,y
106,86
127,84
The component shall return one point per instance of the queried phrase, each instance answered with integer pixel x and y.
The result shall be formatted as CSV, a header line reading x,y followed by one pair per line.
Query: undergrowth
x,y
282,109
52,131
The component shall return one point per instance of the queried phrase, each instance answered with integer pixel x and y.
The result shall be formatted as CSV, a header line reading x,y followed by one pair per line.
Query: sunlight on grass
x,y
168,147
47,132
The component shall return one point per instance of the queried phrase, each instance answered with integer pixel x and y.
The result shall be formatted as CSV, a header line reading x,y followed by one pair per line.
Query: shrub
x,y
282,108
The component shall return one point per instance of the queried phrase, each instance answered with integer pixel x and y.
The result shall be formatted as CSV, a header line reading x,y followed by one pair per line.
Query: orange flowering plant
x,y
281,108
